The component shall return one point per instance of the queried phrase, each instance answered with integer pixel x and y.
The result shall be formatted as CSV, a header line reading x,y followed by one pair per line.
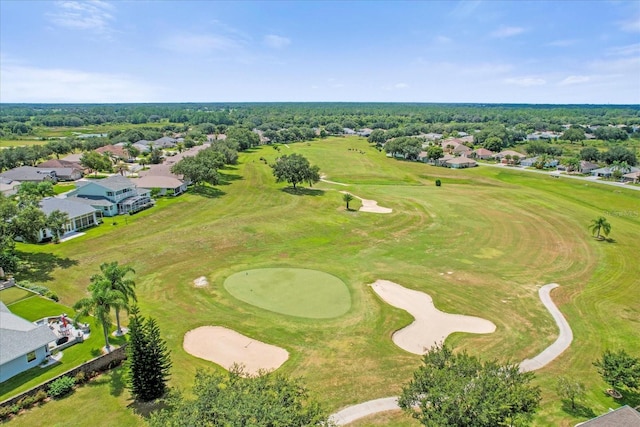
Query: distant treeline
x,y
22,118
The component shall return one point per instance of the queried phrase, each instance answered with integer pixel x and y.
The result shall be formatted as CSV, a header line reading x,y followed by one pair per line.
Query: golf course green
x,y
291,291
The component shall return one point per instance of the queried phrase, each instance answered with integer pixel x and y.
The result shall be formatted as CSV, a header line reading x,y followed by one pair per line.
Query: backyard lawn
x,y
500,233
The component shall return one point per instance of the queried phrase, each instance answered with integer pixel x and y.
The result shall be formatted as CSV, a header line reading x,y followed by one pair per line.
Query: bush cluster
x,y
61,386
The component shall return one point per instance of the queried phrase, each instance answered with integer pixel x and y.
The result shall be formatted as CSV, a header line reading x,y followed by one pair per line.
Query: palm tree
x,y
115,274
600,224
99,304
347,198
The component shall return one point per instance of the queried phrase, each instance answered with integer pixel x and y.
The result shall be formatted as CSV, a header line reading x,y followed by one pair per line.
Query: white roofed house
x,y
23,345
81,215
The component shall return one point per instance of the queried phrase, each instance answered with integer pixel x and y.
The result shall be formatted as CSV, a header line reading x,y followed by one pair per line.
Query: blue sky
x,y
421,51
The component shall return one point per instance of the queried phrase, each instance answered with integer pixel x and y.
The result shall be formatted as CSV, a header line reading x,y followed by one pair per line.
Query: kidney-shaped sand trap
x,y
226,347
431,326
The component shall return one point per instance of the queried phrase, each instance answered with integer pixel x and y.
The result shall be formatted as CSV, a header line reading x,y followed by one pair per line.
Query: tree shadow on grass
x,y
145,409
37,267
610,240
226,178
116,385
207,191
630,398
580,411
304,191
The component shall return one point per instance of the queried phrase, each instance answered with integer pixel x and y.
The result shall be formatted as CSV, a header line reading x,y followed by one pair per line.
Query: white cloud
x,y
19,83
572,80
526,81
396,86
276,42
629,50
632,25
504,32
83,15
200,43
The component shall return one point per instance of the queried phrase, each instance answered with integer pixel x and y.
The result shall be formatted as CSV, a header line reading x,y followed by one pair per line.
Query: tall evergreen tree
x,y
148,361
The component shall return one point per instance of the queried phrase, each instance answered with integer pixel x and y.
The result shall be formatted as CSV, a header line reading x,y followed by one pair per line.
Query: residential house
x,y
29,174
625,416
586,167
460,163
23,345
442,160
482,153
164,142
462,150
115,151
60,164
112,196
503,154
165,185
633,177
81,215
143,145
8,187
365,132
605,172
422,157
431,136
450,144
531,161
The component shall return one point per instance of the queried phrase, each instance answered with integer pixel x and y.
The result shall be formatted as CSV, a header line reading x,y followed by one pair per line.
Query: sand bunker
x,y
431,326
201,282
370,205
226,347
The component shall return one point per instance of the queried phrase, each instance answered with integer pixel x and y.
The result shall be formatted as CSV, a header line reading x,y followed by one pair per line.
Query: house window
x,y
31,356
109,193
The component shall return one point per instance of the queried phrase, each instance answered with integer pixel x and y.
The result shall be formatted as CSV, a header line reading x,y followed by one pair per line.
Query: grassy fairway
x,y
292,291
501,233
14,294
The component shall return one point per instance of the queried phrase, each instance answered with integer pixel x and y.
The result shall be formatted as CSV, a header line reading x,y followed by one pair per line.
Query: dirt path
x,y
361,410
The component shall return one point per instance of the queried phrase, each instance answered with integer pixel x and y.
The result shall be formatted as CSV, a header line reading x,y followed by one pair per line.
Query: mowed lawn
x,y
502,234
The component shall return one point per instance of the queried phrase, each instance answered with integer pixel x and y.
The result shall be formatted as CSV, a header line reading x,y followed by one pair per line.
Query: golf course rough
x,y
292,291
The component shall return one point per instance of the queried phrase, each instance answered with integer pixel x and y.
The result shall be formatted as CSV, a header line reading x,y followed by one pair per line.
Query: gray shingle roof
x,y
19,336
27,173
91,201
115,183
624,416
71,207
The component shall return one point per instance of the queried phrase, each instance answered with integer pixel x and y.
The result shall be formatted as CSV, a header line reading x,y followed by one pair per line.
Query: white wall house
x,y
80,215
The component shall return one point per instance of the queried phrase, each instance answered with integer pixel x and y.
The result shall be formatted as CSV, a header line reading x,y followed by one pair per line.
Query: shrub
x,y
26,402
52,296
40,396
61,386
80,377
5,412
438,183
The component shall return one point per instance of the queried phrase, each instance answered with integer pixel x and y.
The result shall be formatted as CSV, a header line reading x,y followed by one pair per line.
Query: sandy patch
x,y
370,205
226,347
431,326
201,282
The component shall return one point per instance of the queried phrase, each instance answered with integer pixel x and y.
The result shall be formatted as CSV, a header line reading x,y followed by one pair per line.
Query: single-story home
x,y
633,177
625,416
60,163
442,160
8,187
166,185
117,151
529,162
23,345
460,163
112,196
605,172
81,215
29,174
482,153
587,167
462,150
